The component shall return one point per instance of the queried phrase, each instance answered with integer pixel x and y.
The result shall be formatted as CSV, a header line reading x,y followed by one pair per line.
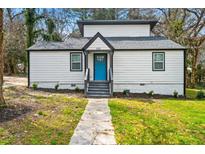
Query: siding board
x,y
117,30
49,68
131,68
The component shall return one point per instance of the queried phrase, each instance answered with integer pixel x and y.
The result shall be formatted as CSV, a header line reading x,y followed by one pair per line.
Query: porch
x,y
98,75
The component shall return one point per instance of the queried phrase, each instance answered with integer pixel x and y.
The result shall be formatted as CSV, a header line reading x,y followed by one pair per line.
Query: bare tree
x,y
185,26
2,101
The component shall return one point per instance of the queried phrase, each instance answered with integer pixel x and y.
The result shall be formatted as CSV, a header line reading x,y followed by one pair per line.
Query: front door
x,y
100,66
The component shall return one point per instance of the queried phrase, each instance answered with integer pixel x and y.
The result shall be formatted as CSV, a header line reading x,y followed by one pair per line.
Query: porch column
x,y
86,60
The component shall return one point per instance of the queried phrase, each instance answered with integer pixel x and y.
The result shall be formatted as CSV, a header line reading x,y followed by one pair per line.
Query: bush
x,y
151,93
126,92
42,113
175,94
77,89
56,86
34,86
200,94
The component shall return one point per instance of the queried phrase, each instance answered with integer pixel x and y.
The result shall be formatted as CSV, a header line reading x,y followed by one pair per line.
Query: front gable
x,y
98,42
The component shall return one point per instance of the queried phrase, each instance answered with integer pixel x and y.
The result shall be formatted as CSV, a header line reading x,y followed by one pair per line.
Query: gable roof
x,y
118,43
81,23
98,35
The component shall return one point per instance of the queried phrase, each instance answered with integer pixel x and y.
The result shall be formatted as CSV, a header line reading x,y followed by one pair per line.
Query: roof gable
x,y
98,38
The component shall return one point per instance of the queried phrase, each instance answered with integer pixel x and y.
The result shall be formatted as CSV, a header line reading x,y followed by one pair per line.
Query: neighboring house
x,y
111,56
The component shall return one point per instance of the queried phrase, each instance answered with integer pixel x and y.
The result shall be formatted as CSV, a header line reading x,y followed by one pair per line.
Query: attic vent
x,y
98,48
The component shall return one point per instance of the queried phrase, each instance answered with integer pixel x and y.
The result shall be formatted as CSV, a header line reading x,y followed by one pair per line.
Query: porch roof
x,y
119,43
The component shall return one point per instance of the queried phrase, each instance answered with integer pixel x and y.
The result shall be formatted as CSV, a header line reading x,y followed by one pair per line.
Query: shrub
x,y
126,92
200,94
56,86
175,94
34,86
151,93
41,113
77,89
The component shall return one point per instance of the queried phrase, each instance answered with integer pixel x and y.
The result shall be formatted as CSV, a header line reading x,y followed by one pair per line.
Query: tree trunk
x,y
2,101
194,67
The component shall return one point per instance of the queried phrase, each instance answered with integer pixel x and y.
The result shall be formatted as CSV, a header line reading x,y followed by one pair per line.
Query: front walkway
x,y
95,126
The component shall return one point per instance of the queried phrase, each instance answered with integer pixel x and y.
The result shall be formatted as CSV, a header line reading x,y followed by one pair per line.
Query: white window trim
x,y
71,62
153,61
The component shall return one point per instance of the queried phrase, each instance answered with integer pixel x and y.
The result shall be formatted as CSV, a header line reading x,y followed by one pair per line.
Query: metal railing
x,y
86,80
111,81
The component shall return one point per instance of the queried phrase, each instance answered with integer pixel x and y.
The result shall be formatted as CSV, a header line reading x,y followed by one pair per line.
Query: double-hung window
x,y
158,61
76,61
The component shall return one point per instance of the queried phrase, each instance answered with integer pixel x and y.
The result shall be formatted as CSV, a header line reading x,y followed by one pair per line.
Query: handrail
x,y
86,79
111,81
86,74
110,74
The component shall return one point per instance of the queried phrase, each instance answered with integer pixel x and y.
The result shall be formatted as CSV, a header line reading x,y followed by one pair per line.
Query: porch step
x,y
98,89
99,84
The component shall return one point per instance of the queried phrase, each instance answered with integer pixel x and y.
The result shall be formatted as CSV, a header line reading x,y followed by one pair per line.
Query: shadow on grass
x,y
10,112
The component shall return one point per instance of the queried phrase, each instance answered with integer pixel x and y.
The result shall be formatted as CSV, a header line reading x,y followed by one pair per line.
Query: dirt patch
x,y
15,81
22,100
13,112
70,93
39,117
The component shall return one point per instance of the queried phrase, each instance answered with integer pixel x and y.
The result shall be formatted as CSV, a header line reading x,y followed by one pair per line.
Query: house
x,y
111,56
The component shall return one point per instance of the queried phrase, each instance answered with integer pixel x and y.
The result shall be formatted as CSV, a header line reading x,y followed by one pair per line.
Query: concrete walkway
x,y
95,126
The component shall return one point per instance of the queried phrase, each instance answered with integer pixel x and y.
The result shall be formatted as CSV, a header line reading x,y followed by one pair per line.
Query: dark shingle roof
x,y
119,43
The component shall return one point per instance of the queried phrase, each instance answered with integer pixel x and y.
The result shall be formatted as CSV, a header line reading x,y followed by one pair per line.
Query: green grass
x,y
163,121
192,93
52,119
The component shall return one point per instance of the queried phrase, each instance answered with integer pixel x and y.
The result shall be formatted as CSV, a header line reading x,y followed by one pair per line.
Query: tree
x,y
31,19
104,14
14,41
50,34
32,33
2,101
134,13
185,26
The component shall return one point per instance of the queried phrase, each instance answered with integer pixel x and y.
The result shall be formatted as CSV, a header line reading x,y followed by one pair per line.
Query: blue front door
x,y
100,66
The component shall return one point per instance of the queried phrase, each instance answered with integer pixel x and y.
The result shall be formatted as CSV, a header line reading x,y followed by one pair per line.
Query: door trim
x,y
94,54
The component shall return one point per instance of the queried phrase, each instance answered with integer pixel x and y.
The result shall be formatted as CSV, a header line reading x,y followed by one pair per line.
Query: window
x,y
158,61
75,62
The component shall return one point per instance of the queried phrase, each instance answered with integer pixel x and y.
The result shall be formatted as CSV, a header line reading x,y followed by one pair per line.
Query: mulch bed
x,y
143,95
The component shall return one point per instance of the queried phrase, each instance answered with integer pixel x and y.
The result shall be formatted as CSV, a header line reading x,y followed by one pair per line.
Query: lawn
x,y
192,93
159,121
37,117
